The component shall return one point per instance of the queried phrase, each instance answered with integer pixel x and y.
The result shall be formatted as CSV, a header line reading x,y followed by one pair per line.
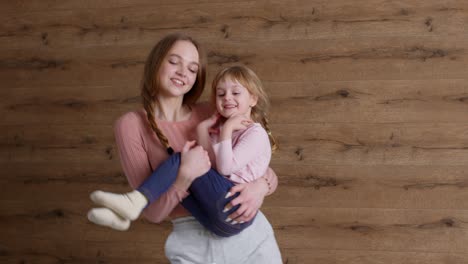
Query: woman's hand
x,y
250,199
194,163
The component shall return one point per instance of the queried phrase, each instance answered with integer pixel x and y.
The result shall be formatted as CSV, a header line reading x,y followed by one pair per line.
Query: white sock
x,y
106,217
128,205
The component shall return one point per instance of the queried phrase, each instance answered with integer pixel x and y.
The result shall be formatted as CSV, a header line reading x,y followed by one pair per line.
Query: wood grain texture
x,y
342,59
323,144
369,106
370,101
239,20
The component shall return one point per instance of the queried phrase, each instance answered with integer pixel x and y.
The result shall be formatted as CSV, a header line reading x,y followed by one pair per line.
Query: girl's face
x,y
233,99
178,71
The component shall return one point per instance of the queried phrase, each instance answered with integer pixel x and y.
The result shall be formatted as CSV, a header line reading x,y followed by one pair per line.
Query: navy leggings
x,y
206,200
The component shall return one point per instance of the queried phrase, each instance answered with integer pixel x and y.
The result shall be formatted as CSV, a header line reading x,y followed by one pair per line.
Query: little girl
x,y
237,139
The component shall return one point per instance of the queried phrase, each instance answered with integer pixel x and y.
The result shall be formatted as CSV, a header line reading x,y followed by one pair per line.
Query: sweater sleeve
x,y
129,132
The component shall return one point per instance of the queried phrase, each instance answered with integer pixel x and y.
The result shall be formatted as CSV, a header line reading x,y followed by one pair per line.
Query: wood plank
x,y
31,250
372,229
115,253
43,250
389,230
57,136
357,186
68,105
22,6
142,22
296,227
323,144
394,187
108,173
368,101
323,256
69,217
307,102
325,60
344,60
371,144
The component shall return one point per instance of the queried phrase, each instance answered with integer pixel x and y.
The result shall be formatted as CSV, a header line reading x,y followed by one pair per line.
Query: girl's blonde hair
x,y
150,84
247,78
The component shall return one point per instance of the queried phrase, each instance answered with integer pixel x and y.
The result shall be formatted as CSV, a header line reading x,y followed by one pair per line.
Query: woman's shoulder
x,y
133,119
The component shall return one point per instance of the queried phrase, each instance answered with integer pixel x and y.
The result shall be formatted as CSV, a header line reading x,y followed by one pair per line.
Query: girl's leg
x,y
107,217
130,205
208,194
161,179
206,202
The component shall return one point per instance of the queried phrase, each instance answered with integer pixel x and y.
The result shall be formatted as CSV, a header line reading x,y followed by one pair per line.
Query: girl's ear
x,y
253,100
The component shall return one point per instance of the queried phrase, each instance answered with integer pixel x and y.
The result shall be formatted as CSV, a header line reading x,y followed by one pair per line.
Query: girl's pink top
x,y
246,156
141,153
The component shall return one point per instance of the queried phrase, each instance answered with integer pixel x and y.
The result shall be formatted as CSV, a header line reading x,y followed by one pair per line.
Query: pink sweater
x,y
141,152
246,156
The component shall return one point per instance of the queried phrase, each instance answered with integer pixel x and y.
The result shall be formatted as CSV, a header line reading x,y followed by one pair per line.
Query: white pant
x,y
191,243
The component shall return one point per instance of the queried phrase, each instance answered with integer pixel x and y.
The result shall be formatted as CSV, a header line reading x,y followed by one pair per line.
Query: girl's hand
x,y
194,163
210,122
237,122
250,198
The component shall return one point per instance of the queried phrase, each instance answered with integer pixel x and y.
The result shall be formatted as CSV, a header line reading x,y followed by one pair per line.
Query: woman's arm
x,y
203,134
251,196
135,163
134,158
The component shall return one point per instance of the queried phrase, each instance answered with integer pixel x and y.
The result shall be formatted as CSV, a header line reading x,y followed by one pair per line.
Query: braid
x,y
261,117
149,108
266,125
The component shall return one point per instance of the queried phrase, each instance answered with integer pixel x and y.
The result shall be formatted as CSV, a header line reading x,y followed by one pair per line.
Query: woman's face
x,y
178,71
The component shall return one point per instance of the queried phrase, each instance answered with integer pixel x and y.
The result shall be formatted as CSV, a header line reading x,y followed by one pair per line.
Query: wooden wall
x,y
370,106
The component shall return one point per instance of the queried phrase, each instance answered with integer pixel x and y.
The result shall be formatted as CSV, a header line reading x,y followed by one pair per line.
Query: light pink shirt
x,y
246,156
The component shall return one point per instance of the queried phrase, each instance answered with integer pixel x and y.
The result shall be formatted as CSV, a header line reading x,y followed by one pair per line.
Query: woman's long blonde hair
x,y
247,78
150,84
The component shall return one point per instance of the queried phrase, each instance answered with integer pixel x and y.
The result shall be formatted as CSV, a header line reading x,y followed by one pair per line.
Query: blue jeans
x,y
206,201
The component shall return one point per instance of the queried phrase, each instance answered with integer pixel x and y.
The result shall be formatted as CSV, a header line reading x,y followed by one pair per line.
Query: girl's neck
x,y
172,110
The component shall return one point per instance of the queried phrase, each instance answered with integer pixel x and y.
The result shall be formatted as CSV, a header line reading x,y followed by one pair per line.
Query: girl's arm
x,y
252,143
251,147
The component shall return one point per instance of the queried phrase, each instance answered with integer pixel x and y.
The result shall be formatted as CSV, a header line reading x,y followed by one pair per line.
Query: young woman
x,y
173,80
